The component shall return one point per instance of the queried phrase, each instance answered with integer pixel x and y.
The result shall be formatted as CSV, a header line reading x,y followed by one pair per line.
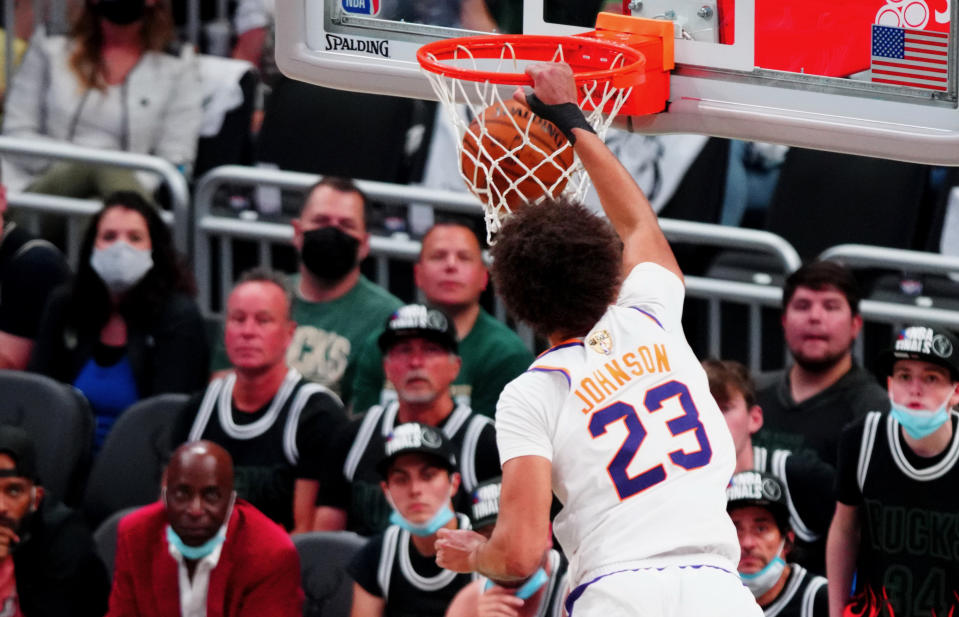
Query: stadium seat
x,y
105,538
128,468
323,559
59,420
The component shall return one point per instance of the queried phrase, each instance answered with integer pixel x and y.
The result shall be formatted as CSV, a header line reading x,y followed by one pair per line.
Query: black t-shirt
x,y
803,595
29,270
271,447
815,423
908,560
353,484
414,585
810,493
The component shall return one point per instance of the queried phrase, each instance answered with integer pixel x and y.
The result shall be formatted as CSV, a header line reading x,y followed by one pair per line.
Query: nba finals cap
x,y
754,488
15,443
484,502
416,438
926,343
418,321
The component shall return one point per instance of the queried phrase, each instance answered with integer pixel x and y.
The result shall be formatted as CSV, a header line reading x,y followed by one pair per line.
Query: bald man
x,y
201,551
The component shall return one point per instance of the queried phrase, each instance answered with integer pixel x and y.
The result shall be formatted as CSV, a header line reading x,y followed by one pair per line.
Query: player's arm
x,y
842,549
623,201
520,537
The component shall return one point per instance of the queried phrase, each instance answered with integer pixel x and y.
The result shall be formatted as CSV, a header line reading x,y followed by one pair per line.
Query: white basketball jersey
x,y
641,455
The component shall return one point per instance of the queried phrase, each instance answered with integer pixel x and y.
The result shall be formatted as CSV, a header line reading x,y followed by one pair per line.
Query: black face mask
x,y
329,253
120,12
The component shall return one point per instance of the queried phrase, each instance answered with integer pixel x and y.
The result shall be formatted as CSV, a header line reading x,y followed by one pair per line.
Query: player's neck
x,y
313,289
254,390
767,598
805,384
431,414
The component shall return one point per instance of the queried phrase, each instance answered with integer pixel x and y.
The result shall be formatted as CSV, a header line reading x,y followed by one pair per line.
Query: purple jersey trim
x,y
569,343
576,593
648,315
549,369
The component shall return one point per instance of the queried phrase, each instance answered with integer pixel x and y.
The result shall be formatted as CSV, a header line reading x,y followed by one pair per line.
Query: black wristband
x,y
566,116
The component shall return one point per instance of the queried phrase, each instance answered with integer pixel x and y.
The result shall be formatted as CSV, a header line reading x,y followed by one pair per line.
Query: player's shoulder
x,y
562,360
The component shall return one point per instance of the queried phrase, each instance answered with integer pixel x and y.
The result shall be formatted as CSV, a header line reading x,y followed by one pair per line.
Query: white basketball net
x,y
465,100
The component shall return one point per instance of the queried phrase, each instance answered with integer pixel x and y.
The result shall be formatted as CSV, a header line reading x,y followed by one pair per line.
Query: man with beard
x,y
336,307
451,274
806,405
48,563
420,359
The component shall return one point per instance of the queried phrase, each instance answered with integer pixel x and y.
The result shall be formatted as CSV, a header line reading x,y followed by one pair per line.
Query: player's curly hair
x,y
557,267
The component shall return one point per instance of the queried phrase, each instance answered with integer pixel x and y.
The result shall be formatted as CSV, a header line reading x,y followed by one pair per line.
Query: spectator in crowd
x,y
806,405
335,307
758,508
894,526
117,82
395,573
543,594
30,269
451,273
273,422
419,358
807,481
127,328
202,551
48,563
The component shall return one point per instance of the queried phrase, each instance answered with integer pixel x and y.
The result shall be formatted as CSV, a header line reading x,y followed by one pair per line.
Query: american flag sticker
x,y
905,57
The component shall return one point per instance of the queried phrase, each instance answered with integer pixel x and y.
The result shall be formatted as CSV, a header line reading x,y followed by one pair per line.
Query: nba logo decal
x,y
361,7
601,342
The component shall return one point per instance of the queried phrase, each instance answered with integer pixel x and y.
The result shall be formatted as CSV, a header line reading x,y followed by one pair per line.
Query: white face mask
x,y
761,582
121,266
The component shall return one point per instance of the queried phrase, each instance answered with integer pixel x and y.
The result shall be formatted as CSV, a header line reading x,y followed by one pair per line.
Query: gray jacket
x,y
162,97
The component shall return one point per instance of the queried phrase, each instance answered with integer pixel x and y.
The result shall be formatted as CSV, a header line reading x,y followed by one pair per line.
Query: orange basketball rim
x,y
627,54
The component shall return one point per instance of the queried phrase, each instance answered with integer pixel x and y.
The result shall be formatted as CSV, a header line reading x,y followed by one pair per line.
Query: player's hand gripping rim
x,y
554,97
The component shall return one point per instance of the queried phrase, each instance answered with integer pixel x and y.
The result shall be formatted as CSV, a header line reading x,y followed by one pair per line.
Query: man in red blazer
x,y
200,552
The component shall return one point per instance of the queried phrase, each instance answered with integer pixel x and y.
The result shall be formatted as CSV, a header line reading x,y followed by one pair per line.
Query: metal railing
x,y
210,224
169,175
882,257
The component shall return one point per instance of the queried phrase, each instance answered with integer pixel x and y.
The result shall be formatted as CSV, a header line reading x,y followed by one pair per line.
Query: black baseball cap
x,y
922,342
484,502
413,437
755,488
418,321
16,443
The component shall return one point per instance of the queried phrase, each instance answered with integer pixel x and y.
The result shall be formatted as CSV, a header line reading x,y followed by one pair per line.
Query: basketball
x,y
514,155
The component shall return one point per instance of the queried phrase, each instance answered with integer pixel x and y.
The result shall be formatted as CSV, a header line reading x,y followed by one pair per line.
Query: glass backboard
x,y
873,77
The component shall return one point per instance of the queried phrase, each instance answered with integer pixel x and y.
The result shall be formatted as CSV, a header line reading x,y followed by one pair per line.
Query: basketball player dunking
x,y
616,418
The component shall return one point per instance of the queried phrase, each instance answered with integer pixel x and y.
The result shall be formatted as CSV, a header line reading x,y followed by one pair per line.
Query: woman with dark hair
x,y
127,327
117,82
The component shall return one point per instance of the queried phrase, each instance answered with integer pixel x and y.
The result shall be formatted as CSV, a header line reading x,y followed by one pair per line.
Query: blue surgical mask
x,y
195,552
919,423
761,582
199,552
442,516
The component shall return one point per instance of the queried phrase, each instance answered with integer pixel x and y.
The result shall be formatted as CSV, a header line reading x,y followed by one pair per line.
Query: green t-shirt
x,y
329,335
492,356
